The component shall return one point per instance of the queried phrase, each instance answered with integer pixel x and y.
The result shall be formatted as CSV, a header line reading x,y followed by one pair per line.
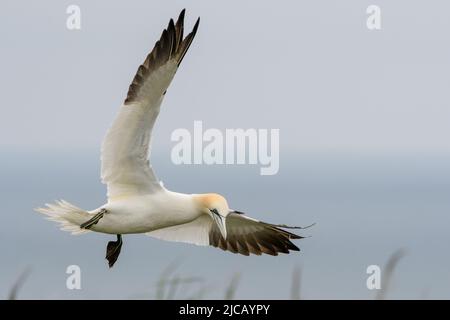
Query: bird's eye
x,y
214,211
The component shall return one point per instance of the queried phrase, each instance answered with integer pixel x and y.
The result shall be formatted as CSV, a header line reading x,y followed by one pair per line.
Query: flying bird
x,y
136,201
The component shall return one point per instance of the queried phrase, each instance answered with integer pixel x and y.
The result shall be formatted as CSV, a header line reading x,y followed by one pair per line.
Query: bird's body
x,y
137,201
146,213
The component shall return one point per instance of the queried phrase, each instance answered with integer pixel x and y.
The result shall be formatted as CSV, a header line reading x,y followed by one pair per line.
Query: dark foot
x,y
94,220
113,250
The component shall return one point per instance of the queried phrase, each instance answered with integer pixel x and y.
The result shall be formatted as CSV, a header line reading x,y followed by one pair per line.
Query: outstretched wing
x,y
125,151
244,235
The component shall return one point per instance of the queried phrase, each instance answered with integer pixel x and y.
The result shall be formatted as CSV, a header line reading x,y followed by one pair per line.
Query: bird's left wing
x,y
125,150
245,235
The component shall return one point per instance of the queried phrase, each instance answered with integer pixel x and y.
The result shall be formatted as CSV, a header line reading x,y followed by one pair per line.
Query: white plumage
x,y
137,202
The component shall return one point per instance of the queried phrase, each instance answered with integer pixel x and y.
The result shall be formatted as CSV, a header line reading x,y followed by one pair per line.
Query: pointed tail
x,y
68,216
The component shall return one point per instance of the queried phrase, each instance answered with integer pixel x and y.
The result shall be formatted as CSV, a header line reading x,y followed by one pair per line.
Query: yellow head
x,y
216,206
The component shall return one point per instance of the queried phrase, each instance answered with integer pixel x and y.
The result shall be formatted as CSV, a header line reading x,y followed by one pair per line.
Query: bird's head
x,y
216,206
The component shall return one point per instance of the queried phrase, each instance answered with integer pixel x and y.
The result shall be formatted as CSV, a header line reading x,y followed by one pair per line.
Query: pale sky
x,y
309,68
364,140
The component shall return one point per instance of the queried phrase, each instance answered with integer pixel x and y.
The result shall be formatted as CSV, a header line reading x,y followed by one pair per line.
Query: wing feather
x,y
125,150
244,235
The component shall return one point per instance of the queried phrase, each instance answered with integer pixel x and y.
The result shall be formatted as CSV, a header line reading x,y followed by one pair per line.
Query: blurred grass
x,y
296,283
232,287
388,272
171,285
18,283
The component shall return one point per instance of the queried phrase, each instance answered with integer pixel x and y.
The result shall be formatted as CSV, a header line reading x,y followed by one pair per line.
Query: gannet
x,y
136,201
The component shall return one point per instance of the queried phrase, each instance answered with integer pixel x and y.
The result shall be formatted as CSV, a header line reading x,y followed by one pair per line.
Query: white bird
x,y
137,202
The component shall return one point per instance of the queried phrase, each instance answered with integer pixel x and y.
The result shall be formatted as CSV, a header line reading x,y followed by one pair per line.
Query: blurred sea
x,y
365,206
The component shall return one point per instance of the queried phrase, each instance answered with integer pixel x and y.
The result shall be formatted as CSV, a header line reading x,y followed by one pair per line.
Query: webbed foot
x,y
113,250
94,220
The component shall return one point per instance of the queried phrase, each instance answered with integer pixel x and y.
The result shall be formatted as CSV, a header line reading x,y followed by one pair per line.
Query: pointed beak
x,y
221,223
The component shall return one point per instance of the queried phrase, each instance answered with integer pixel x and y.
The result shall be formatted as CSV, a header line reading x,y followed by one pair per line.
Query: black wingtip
x,y
182,13
194,30
171,24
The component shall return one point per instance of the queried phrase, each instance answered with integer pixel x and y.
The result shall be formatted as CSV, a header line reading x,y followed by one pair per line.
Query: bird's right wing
x,y
245,235
125,166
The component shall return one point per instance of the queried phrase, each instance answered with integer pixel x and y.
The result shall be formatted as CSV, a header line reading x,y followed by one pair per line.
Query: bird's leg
x,y
113,250
94,220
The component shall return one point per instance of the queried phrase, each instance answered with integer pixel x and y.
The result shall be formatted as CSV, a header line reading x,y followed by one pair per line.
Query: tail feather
x,y
68,216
